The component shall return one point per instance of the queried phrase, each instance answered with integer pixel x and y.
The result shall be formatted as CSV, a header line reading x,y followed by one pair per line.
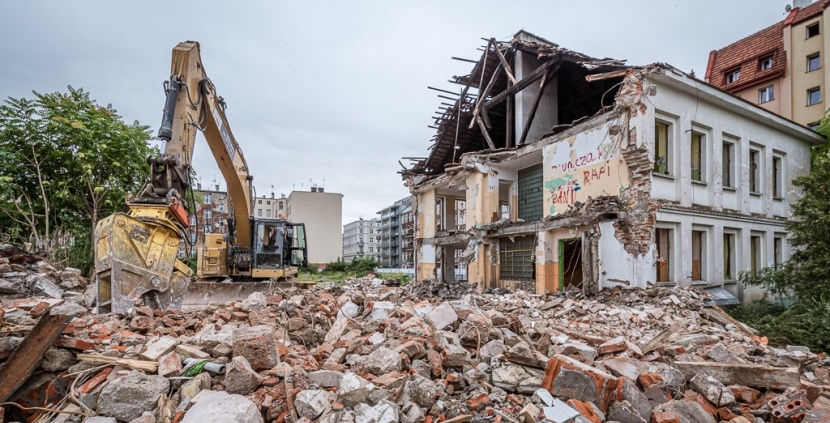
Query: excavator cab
x,y
279,244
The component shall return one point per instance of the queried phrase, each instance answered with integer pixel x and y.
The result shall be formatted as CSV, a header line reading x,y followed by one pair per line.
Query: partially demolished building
x,y
554,170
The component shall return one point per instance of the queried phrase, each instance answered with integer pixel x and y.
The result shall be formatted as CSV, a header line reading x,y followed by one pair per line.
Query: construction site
x,y
582,235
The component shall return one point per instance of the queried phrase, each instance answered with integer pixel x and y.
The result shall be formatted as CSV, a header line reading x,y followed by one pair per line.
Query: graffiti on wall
x,y
588,164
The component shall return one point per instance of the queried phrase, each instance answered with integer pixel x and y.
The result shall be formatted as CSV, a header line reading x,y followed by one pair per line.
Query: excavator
x,y
137,252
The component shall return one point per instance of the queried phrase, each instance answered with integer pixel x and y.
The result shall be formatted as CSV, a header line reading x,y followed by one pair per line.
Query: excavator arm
x,y
136,253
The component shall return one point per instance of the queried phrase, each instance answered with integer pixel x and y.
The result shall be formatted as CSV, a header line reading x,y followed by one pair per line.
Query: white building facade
x,y
361,239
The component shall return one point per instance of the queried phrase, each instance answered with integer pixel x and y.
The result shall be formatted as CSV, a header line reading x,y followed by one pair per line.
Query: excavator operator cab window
x,y
270,245
298,245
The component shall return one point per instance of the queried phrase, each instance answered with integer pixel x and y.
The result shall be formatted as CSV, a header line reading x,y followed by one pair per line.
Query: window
x,y
281,206
755,263
664,253
698,255
778,250
697,157
733,76
777,177
727,164
766,94
221,208
259,213
814,126
662,144
754,171
729,256
193,220
207,229
813,96
208,214
765,63
259,202
268,203
813,62
207,198
268,213
193,237
812,30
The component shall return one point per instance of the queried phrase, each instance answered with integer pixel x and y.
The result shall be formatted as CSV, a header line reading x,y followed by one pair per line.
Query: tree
x,y
66,161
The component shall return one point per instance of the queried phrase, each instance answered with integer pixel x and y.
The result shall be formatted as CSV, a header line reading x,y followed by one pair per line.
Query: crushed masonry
x,y
365,351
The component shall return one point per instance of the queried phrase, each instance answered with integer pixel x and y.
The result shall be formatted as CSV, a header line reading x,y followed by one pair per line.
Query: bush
x,y
357,267
806,323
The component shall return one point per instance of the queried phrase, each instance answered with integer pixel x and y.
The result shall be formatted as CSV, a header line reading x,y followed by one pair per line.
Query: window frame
x,y
669,154
755,173
702,249
728,181
701,156
730,254
669,260
765,63
809,28
756,252
810,96
778,172
810,62
771,96
732,76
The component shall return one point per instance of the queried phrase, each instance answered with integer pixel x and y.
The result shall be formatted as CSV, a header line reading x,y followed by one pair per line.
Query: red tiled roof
x,y
808,12
745,55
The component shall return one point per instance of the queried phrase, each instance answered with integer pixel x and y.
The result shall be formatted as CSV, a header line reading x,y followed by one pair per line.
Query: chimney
x,y
320,189
802,3
198,185
217,187
313,189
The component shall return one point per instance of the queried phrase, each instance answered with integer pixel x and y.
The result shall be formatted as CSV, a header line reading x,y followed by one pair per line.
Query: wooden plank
x,y
503,61
148,366
533,77
23,361
482,95
747,374
593,340
742,326
486,134
606,75
663,336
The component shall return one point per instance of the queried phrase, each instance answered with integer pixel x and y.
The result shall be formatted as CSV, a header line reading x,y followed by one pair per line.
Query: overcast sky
x,y
333,93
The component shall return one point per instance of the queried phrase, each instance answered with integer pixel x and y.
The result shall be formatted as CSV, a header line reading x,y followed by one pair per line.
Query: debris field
x,y
374,351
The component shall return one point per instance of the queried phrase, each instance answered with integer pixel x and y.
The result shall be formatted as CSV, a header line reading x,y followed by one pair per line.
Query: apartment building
x,y
271,206
210,217
583,173
361,239
780,67
322,214
396,243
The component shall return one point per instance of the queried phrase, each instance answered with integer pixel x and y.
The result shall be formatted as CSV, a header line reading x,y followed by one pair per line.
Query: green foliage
x,y
806,323
66,162
357,267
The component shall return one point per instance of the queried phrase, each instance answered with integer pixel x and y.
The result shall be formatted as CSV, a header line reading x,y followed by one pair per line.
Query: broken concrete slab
x,y
382,361
128,397
221,407
442,316
747,374
312,403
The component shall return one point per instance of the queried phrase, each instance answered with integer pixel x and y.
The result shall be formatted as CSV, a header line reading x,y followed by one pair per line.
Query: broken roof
x,y
478,116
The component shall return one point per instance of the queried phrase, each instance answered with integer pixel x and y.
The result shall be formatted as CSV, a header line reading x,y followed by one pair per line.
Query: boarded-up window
x,y
530,193
516,258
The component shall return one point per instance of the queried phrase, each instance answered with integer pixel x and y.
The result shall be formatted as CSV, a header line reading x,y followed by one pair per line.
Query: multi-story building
x,y
361,239
210,217
582,173
392,233
322,214
780,67
271,207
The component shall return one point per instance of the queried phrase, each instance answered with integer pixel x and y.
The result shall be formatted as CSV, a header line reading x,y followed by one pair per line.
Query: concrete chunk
x,y
442,316
164,345
221,407
128,397
312,403
258,344
240,378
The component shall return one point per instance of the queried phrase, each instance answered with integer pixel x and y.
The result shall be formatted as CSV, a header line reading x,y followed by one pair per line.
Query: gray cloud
x,y
333,90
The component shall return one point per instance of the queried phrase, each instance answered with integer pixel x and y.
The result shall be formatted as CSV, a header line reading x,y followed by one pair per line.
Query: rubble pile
x,y
370,352
23,274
